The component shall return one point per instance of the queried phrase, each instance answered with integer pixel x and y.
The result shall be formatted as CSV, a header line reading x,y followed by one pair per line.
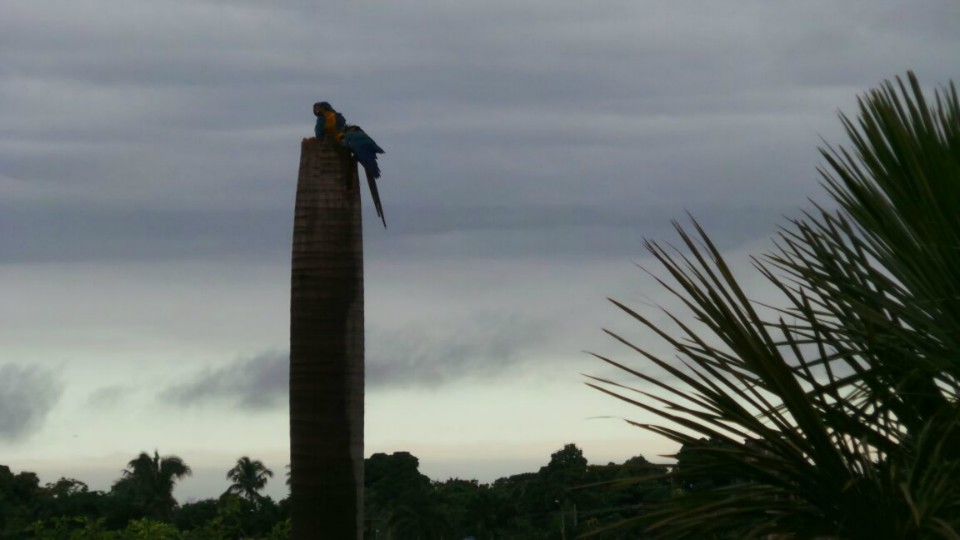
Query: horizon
x,y
208,479
148,162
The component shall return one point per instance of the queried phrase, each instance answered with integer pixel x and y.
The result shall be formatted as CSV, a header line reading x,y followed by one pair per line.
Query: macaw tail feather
x,y
366,150
375,195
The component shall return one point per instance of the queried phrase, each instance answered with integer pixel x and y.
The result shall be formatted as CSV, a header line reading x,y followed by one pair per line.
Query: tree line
x,y
566,497
140,505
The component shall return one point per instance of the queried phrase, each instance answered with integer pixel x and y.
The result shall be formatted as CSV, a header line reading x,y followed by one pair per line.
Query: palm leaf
x,y
836,407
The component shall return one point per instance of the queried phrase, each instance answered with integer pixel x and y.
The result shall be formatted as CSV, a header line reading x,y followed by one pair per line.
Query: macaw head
x,y
321,107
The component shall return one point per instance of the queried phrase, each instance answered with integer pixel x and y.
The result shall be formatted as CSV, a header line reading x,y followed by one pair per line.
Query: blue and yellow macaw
x,y
329,122
366,150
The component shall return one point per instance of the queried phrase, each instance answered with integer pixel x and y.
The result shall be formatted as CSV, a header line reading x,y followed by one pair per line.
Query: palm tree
x,y
326,347
149,482
835,409
248,477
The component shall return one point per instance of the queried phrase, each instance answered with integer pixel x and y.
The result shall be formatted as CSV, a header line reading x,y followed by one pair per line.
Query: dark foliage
x,y
566,497
831,411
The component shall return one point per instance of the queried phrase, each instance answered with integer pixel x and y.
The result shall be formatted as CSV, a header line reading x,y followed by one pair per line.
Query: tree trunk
x,y
326,348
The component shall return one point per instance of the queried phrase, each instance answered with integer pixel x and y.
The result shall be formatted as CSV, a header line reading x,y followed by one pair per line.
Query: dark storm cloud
x,y
172,130
253,383
567,233
27,394
482,346
66,232
421,355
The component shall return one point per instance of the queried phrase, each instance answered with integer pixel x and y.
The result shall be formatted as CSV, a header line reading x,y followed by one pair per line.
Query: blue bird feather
x,y
365,150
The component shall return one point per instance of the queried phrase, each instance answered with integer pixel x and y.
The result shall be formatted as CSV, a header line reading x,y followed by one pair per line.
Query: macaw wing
x,y
357,138
365,150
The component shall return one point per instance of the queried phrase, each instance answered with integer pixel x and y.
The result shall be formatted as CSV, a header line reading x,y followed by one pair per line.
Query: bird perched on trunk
x,y
329,122
332,124
366,150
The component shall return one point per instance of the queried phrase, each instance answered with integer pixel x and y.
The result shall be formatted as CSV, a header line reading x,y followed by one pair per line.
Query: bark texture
x,y
326,348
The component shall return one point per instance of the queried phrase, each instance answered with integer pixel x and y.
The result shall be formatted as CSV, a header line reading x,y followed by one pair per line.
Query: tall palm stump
x,y
326,348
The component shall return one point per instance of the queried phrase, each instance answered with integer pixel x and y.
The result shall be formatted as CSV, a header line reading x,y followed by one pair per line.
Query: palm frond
x,y
835,408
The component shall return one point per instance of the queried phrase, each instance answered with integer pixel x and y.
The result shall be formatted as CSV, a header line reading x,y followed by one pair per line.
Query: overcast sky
x,y
148,161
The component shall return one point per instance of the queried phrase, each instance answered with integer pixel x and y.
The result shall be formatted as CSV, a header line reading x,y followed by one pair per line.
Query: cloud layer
x,y
414,356
148,132
27,394
253,383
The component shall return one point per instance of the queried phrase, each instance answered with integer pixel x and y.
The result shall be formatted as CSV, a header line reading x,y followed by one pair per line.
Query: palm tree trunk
x,y
326,348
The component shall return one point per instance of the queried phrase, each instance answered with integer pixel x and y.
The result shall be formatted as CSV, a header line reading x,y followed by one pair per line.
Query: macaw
x,y
366,150
329,121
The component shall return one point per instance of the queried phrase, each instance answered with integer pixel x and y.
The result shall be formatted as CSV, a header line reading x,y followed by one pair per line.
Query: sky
x,y
148,161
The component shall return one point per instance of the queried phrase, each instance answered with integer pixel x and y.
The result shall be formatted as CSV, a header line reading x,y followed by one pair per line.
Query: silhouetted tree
x,y
148,483
248,477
